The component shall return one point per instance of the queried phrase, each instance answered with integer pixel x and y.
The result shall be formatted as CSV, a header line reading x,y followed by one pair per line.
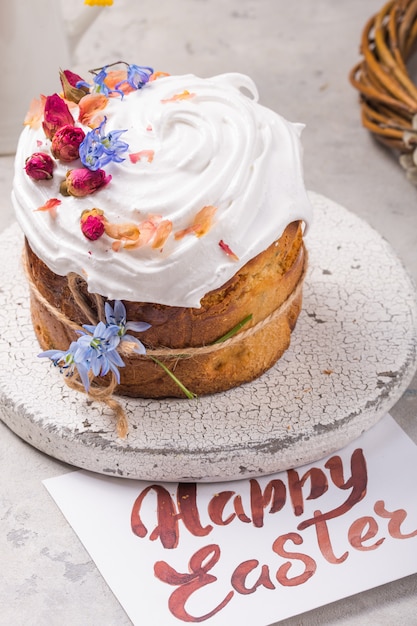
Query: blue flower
x,y
95,351
98,149
117,317
99,86
98,352
137,76
67,362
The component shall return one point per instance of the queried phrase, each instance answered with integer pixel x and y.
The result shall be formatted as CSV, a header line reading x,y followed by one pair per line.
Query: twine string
x,y
127,348
104,394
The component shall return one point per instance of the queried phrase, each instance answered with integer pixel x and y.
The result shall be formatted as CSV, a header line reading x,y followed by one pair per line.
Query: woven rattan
x,y
388,95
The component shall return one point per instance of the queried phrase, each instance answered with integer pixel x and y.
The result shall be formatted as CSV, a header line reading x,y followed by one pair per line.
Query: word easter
x,y
364,534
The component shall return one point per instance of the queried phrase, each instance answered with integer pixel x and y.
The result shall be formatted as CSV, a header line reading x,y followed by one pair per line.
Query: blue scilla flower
x,y
98,149
67,362
98,352
95,350
137,76
99,85
117,317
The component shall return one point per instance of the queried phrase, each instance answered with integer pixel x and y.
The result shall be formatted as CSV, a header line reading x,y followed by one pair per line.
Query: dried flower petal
x,y
202,223
185,95
163,231
227,250
146,154
50,205
119,78
56,115
127,231
157,75
34,115
90,107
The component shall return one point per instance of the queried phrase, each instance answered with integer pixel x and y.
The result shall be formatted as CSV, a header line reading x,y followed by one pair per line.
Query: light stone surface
x,y
300,54
352,355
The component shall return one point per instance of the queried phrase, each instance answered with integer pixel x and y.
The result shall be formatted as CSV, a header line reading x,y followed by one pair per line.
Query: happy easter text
x,y
366,533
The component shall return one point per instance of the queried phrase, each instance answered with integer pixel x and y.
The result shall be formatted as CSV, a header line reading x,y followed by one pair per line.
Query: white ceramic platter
x,y
353,354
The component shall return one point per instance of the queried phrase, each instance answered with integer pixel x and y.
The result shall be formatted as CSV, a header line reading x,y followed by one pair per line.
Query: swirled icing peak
x,y
209,180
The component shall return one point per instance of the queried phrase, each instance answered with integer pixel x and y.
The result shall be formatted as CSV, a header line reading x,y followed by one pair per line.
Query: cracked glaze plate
x,y
352,355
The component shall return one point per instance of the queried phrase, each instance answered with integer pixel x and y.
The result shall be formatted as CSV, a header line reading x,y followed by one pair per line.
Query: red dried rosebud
x,y
92,224
56,114
72,78
39,166
66,143
69,82
82,182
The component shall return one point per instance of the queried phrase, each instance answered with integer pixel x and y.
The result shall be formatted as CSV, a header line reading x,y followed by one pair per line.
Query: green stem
x,y
234,330
188,393
225,337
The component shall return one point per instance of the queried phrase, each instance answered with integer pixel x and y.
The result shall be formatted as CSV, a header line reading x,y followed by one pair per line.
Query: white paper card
x,y
252,551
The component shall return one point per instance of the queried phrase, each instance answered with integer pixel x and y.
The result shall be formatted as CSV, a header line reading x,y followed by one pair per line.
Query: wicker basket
x,y
388,96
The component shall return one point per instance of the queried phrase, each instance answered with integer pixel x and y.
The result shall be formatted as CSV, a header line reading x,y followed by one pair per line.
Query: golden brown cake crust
x,y
268,288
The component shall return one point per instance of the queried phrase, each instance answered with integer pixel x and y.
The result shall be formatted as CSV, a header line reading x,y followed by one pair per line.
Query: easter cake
x,y
164,219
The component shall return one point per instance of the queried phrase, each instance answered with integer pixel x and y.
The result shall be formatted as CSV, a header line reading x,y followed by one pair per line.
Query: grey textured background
x,y
299,54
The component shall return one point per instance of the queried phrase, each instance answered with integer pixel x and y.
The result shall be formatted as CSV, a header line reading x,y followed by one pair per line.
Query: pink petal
x,y
227,250
50,205
146,154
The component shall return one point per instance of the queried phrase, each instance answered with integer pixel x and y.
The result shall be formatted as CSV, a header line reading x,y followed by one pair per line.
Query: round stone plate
x,y
352,355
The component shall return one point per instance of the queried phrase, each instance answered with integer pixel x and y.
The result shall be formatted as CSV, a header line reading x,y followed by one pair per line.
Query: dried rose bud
x,y
82,182
39,166
69,82
92,224
66,143
56,114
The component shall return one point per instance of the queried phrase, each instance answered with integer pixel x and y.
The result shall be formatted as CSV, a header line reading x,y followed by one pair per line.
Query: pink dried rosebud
x,y
82,182
69,82
92,224
56,114
73,79
66,143
39,166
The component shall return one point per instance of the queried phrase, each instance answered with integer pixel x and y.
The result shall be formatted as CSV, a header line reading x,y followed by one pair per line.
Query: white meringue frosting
x,y
219,147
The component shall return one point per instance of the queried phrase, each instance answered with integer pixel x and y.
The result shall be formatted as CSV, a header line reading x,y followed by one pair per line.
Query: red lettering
x,y
324,542
362,530
396,518
167,517
357,483
240,512
216,508
275,493
318,486
167,526
241,573
195,579
188,510
309,563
